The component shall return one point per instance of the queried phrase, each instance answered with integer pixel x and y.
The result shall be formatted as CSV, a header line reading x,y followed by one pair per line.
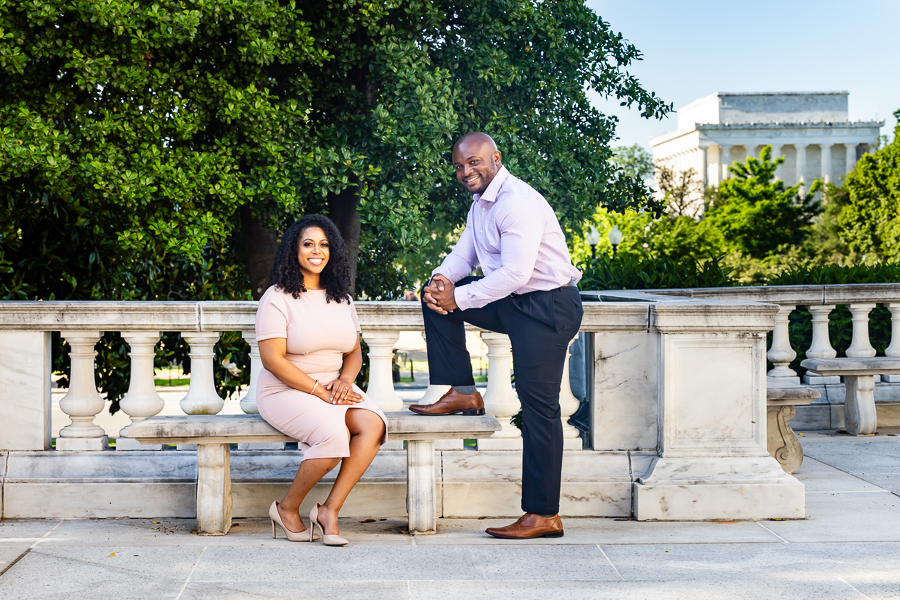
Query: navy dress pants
x,y
540,326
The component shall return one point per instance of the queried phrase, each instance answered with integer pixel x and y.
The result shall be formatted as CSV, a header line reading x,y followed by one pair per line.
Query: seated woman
x,y
308,335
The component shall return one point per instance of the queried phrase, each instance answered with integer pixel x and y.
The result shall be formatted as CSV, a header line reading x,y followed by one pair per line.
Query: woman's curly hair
x,y
335,277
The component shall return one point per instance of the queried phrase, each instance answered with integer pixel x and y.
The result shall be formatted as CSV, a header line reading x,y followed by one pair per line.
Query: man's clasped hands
x,y
439,295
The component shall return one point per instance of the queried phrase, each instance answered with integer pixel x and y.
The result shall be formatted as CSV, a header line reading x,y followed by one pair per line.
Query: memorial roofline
x,y
787,124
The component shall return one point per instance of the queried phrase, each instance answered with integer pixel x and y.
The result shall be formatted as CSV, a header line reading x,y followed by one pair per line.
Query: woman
x,y
308,335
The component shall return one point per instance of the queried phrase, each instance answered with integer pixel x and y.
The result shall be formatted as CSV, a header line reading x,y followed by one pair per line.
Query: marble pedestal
x,y
702,488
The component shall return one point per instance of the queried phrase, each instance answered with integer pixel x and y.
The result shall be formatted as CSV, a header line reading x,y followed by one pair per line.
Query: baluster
x,y
141,401
568,404
781,354
500,400
248,402
893,351
821,343
381,376
83,401
859,345
202,398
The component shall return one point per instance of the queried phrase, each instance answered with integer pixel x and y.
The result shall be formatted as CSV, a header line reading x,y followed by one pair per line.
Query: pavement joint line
x,y
773,533
194,568
843,471
21,556
841,579
610,562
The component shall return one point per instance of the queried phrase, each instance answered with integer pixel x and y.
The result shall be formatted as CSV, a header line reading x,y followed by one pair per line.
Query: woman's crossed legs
x,y
365,430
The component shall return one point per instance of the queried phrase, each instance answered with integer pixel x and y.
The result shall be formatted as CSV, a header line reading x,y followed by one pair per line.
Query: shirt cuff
x,y
462,297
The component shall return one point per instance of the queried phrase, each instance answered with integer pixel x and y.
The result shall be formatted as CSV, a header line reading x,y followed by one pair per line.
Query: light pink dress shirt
x,y
513,233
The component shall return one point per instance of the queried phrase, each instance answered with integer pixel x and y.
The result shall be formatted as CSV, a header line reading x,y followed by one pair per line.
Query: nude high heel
x,y
291,536
328,540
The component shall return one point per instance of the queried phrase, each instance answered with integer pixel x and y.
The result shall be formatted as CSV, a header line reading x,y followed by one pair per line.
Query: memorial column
x,y
826,162
704,166
801,165
851,157
725,160
776,154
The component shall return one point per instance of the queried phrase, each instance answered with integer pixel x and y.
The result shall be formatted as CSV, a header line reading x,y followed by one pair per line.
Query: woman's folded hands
x,y
340,391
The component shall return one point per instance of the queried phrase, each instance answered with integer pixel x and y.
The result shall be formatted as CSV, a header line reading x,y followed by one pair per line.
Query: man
x,y
528,293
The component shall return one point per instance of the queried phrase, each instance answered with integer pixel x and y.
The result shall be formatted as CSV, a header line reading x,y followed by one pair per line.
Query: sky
x,y
693,48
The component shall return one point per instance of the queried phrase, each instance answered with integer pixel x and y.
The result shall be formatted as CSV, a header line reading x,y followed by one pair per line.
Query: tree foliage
x,y
870,220
159,119
635,161
413,76
162,120
756,212
681,190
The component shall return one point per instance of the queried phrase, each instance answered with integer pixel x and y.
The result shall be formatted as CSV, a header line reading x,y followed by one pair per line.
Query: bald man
x,y
528,292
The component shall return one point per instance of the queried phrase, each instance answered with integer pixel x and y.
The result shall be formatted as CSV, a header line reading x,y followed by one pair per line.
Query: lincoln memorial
x,y
812,130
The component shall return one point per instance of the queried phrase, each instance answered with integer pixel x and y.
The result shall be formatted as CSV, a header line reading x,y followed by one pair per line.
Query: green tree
x,y
682,191
156,120
756,213
410,77
208,125
870,220
635,161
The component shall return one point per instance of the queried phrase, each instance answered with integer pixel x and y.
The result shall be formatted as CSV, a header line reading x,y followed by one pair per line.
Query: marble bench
x,y
781,402
214,435
859,374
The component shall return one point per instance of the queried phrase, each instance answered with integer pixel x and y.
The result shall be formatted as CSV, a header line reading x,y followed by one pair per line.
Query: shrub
x,y
634,272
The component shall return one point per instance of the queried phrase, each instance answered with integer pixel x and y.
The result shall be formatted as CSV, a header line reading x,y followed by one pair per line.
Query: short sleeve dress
x,y
318,333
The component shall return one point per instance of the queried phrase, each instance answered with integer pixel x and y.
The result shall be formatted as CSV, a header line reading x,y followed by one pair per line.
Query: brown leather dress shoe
x,y
529,526
452,403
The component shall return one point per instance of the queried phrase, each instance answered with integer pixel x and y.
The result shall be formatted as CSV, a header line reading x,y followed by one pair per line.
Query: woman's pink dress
x,y
318,333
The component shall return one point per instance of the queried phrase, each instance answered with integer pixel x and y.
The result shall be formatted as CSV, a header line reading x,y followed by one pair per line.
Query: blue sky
x,y
693,48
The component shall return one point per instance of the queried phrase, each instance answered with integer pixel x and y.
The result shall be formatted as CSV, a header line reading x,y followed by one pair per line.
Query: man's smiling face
x,y
476,161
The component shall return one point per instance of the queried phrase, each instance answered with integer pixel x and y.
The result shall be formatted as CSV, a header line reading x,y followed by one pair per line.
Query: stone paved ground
x,y
848,547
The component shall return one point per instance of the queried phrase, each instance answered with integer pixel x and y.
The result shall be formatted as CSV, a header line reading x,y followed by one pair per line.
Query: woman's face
x,y
313,251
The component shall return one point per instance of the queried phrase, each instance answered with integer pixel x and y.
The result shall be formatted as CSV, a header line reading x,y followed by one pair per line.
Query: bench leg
x,y
783,444
213,489
860,417
420,501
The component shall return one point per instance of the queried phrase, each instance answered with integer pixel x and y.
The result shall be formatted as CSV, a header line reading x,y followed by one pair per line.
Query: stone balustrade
x,y
675,385
201,325
821,302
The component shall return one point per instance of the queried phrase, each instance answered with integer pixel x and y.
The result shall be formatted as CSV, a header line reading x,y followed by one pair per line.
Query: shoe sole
x,y
471,412
549,534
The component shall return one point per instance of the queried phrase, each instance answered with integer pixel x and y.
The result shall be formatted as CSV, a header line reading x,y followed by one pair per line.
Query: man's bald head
x,y
476,138
476,161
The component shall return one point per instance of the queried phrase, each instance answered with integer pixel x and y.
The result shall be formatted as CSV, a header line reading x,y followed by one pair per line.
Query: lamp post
x,y
593,238
615,238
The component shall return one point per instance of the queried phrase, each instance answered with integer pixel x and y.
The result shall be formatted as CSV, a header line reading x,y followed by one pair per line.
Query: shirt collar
x,y
490,194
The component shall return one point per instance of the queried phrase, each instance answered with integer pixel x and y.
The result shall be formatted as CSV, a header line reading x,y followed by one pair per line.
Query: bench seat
x,y
214,435
859,374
